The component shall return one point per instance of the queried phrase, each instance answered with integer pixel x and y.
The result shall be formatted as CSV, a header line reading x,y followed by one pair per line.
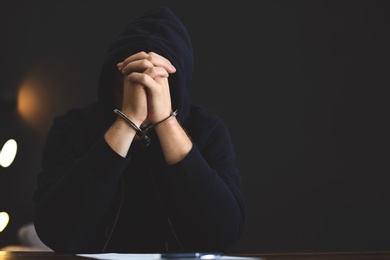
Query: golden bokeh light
x,y
46,91
33,105
28,101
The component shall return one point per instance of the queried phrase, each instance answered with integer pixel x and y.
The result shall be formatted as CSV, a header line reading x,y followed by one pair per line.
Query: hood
x,y
158,30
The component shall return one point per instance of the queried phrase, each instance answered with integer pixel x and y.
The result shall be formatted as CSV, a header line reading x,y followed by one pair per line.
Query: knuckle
x,y
146,64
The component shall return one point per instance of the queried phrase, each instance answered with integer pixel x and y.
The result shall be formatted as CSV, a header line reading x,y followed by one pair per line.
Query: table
x,y
353,255
364,255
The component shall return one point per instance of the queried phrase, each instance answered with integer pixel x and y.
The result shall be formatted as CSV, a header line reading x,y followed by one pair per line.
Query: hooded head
x,y
160,31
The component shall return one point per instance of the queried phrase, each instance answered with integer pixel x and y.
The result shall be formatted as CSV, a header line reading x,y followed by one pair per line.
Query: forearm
x,y
175,143
71,200
210,199
120,136
65,222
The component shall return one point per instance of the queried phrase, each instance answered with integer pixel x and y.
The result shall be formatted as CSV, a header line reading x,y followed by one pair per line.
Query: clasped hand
x,y
146,94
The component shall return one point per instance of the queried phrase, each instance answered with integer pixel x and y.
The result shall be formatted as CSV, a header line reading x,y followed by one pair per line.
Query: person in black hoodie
x,y
142,169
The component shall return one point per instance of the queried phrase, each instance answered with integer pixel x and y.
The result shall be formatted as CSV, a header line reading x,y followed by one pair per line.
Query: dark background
x,y
302,85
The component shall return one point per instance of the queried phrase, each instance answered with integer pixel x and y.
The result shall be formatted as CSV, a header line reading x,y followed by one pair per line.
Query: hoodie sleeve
x,y
206,190
75,191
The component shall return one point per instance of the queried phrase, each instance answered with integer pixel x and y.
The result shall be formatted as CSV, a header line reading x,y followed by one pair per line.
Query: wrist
x,y
145,140
121,125
172,115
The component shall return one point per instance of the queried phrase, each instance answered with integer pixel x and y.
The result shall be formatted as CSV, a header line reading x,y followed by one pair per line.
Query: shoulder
x,y
199,118
201,124
77,123
78,116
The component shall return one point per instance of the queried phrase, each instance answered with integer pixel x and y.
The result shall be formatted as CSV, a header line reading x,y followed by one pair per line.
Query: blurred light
x,y
8,153
4,219
31,101
37,98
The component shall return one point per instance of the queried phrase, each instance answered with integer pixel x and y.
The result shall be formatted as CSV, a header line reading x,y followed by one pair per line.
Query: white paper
x,y
118,256
122,256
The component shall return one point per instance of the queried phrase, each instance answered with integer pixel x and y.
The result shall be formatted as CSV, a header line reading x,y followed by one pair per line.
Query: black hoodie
x,y
89,199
